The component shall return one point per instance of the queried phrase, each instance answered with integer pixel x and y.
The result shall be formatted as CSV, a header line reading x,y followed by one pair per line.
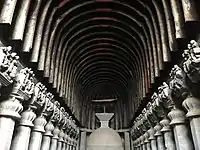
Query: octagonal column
x,y
47,136
152,139
168,134
83,141
146,141
21,139
159,137
36,135
64,142
60,140
192,105
9,112
54,140
181,132
127,140
143,146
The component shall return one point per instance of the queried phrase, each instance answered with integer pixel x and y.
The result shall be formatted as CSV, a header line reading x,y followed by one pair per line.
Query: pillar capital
x,y
27,118
48,129
56,132
146,136
39,124
151,132
158,130
11,107
165,125
61,136
192,105
191,61
8,65
178,83
177,116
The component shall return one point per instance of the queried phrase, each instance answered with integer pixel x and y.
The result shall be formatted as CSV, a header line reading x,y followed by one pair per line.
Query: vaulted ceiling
x,y
97,49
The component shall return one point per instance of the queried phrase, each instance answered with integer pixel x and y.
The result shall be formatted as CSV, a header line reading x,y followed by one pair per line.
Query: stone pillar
x,y
159,137
47,136
143,146
54,140
9,112
78,144
83,141
192,105
140,143
68,144
64,141
21,139
152,139
181,132
60,140
168,134
127,140
146,141
36,135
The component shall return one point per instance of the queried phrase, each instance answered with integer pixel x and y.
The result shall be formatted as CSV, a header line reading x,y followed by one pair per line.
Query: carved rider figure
x,y
164,93
23,79
191,64
177,83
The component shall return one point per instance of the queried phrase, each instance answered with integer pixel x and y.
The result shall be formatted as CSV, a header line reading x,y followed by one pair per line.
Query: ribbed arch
x,y
80,46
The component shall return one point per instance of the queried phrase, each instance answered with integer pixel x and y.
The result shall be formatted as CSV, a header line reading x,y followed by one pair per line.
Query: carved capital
x,y
8,65
191,63
146,135
27,118
56,132
61,136
165,125
177,116
192,105
66,137
164,93
151,132
11,108
24,84
39,124
178,83
158,130
48,129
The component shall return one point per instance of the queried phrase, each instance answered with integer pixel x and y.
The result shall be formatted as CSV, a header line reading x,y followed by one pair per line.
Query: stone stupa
x,y
104,138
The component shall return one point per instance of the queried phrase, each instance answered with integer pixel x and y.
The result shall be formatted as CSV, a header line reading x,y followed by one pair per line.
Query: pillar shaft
x,y
127,140
47,136
168,135
152,139
192,106
181,132
54,140
9,112
21,139
36,135
83,141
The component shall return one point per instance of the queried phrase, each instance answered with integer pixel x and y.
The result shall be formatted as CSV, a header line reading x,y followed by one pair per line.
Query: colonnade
x,y
171,120
30,117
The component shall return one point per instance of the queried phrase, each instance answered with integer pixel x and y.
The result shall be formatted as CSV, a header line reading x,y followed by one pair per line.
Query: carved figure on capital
x,y
37,92
24,84
178,82
157,107
164,93
151,116
8,65
191,64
